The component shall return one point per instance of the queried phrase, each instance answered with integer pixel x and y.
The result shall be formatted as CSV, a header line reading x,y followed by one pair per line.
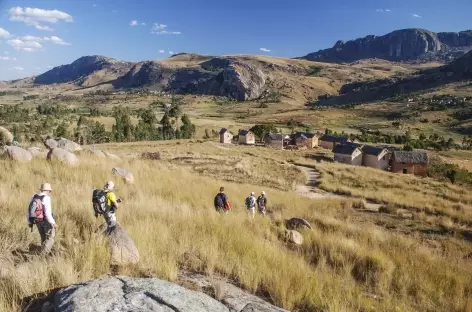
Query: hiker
x,y
222,204
105,203
40,213
262,203
251,204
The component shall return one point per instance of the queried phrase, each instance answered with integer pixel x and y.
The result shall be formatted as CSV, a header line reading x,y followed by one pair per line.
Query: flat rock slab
x,y
133,295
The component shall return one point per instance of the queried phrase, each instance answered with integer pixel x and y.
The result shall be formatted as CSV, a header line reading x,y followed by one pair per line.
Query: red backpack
x,y
36,209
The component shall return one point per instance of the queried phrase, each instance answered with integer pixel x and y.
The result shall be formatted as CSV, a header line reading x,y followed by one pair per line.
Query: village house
x,y
375,157
226,136
310,140
246,137
274,140
329,141
350,154
412,162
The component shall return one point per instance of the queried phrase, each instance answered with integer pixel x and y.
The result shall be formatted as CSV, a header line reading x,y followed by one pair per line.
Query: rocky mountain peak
x,y
413,44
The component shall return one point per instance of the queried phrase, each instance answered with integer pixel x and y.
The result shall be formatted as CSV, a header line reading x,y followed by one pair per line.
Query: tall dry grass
x,y
168,212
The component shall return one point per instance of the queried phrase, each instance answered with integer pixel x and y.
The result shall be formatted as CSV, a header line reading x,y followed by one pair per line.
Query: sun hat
x,y
109,185
263,193
252,193
45,187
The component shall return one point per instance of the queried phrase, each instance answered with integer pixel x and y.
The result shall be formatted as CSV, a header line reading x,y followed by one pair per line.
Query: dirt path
x,y
311,189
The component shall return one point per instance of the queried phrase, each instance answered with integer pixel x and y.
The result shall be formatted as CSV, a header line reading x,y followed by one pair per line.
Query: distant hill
x,y
240,77
401,45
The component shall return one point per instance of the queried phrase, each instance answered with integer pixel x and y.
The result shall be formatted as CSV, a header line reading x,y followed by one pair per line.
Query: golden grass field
x,y
349,262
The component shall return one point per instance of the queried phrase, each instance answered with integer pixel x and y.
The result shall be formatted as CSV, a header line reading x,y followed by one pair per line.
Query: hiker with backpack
x,y
222,204
262,203
250,203
40,214
105,203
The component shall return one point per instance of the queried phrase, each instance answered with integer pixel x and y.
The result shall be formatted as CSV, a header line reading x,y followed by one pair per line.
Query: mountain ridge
x,y
411,44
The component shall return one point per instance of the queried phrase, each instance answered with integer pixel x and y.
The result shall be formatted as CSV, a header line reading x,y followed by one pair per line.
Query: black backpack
x,y
99,202
220,200
36,210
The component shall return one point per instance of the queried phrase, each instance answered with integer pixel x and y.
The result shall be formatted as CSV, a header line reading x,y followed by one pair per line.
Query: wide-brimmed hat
x,y
109,185
262,193
252,193
45,187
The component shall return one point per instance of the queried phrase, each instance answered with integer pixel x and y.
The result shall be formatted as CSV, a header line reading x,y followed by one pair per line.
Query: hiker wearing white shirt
x,y
40,213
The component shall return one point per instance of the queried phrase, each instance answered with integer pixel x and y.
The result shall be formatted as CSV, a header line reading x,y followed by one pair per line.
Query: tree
x,y
96,133
61,131
452,175
261,130
187,130
422,137
292,124
122,130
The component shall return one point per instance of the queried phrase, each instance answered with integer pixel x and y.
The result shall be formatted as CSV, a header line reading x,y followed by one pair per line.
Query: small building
x,y
246,137
274,140
226,136
348,154
412,162
329,141
310,140
375,157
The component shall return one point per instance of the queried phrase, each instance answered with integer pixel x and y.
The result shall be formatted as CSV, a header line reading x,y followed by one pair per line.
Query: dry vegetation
x,y
343,265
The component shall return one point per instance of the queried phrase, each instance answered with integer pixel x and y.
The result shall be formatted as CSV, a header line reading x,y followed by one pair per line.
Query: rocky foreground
x,y
122,293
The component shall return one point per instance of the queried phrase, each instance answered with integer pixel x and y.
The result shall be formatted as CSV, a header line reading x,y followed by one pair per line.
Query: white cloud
x,y
264,50
143,24
380,10
18,68
35,16
45,28
161,29
162,51
383,10
388,10
170,52
416,15
133,23
49,66
52,39
37,68
94,5
4,33
28,46
6,52
7,58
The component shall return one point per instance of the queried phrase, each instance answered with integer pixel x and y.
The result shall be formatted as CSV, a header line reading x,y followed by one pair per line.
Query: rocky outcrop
x,y
37,152
61,155
50,143
293,237
68,145
296,223
78,71
6,137
400,45
133,295
122,248
17,153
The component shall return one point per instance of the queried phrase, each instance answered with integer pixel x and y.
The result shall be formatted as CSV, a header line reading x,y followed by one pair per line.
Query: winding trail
x,y
311,189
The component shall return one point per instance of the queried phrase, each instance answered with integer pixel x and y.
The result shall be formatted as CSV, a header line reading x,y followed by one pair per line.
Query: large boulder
x,y
120,293
37,152
6,137
111,156
17,153
96,153
295,223
124,174
294,237
59,154
51,143
68,145
122,248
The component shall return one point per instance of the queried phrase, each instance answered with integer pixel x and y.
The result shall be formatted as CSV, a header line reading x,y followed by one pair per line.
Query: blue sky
x,y
51,33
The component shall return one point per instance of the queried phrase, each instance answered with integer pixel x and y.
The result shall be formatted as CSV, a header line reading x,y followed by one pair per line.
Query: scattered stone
x,y
124,174
122,293
18,153
51,143
296,223
97,153
68,145
6,137
122,248
404,214
59,154
294,237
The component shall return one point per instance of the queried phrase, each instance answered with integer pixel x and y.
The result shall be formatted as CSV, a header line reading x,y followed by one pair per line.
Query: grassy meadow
x,y
347,263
